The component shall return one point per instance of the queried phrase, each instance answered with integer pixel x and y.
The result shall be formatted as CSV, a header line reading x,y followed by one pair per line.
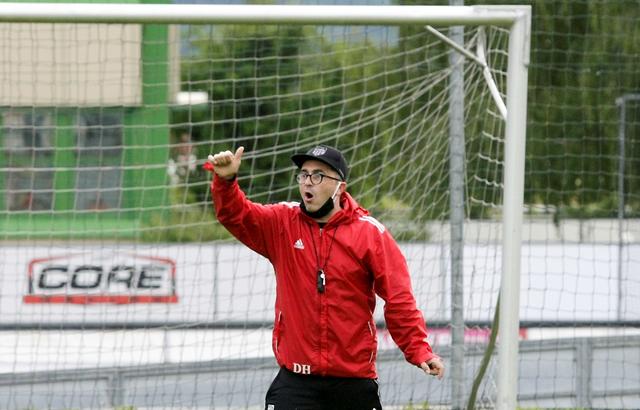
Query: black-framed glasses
x,y
316,178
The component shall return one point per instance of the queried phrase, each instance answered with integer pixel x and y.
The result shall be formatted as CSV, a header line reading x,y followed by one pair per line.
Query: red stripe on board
x,y
91,299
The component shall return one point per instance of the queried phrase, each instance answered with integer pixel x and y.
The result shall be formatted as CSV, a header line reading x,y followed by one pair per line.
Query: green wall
x,y
146,138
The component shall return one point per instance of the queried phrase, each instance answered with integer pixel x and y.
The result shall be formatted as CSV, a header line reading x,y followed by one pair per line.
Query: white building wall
x,y
58,65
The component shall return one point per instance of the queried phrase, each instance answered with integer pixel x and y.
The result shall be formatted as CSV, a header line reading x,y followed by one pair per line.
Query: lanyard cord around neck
x,y
320,275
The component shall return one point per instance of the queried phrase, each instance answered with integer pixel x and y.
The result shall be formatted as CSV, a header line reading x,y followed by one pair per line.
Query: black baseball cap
x,y
326,154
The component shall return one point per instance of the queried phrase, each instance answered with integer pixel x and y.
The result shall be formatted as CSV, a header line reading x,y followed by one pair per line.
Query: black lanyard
x,y
321,278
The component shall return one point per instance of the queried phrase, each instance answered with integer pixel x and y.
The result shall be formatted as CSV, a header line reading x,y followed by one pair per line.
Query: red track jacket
x,y
329,332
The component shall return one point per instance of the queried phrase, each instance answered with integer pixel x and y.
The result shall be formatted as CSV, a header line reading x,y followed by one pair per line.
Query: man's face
x,y
314,196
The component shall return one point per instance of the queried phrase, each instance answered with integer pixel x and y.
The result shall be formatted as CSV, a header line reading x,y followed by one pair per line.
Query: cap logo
x,y
318,151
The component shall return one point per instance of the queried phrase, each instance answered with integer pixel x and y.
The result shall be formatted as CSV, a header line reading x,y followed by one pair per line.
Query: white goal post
x,y
516,19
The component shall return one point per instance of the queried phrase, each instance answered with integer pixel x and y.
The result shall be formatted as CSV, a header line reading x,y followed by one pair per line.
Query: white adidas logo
x,y
298,244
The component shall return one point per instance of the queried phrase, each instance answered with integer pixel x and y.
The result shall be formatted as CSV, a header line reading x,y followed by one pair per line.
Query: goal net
x,y
119,288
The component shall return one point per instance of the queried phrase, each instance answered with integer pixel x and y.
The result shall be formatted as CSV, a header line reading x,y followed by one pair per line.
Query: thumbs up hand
x,y
225,163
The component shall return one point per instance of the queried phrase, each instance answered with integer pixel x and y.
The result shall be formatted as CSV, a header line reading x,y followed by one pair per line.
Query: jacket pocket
x,y
276,341
373,340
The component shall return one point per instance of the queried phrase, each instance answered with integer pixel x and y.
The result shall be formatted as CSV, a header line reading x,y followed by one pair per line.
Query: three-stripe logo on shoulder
x,y
373,221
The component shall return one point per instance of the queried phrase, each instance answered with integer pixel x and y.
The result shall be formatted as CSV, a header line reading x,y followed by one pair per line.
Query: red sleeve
x,y
393,284
248,221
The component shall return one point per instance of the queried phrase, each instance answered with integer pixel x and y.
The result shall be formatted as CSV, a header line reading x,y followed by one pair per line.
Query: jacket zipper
x,y
323,326
321,278
321,288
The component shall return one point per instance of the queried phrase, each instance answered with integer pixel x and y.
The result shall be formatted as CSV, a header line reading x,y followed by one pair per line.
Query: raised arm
x,y
251,223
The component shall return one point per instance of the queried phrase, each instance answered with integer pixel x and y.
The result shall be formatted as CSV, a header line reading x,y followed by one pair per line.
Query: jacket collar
x,y
350,210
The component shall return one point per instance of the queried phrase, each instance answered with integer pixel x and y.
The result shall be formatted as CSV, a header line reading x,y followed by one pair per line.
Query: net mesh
x,y
118,287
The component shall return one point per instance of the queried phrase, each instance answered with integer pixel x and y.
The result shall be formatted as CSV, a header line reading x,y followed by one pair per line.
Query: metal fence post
x,y
116,389
584,366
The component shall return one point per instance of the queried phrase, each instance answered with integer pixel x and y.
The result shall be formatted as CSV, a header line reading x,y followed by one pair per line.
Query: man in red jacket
x,y
330,259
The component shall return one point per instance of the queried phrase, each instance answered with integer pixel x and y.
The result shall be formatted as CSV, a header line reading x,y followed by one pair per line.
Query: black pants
x,y
291,391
